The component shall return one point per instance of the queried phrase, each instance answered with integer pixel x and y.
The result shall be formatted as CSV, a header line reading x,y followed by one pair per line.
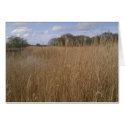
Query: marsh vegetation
x,y
86,73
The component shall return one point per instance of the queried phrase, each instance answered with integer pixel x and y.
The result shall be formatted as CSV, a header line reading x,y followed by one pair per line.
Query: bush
x,y
16,42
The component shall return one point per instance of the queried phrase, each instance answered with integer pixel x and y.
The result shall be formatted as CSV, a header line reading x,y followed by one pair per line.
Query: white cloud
x,y
26,35
21,30
86,26
18,35
58,28
45,32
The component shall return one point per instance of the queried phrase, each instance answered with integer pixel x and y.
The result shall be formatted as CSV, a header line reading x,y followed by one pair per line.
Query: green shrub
x,y
16,42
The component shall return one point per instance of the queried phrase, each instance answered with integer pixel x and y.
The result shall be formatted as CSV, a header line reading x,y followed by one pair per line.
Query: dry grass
x,y
59,74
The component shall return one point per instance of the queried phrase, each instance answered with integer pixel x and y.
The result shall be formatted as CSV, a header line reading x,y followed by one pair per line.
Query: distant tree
x,y
16,42
61,41
96,40
38,44
53,41
115,37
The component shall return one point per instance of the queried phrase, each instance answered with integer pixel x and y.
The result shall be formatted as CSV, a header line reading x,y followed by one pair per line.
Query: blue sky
x,y
36,32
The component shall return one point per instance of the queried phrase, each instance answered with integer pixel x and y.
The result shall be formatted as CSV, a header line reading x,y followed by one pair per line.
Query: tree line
x,y
67,40
80,40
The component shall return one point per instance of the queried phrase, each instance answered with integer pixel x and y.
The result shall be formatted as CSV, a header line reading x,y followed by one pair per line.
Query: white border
x,y
64,10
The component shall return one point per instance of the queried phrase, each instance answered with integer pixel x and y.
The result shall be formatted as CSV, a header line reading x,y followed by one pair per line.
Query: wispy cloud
x,y
26,35
86,26
21,30
46,32
58,28
20,24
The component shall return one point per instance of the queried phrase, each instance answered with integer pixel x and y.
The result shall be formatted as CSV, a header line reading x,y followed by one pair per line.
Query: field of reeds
x,y
63,74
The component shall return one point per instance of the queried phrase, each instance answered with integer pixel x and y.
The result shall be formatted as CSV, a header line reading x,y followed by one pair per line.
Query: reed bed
x,y
63,74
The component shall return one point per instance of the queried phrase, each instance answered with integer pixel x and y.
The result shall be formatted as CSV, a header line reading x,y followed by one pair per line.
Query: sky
x,y
42,32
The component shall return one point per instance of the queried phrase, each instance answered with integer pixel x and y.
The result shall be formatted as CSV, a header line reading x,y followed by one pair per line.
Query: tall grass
x,y
63,74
